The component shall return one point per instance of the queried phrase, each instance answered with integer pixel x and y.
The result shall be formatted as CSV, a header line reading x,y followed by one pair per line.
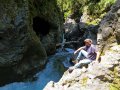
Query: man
x,y
88,52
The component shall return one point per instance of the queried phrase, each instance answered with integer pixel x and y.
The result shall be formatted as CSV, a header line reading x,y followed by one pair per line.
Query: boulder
x,y
106,32
79,32
72,33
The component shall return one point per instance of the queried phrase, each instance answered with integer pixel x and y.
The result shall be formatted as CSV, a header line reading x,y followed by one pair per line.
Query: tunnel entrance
x,y
41,26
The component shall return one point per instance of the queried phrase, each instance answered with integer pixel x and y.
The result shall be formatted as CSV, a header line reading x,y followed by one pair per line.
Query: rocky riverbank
x,y
104,75
98,76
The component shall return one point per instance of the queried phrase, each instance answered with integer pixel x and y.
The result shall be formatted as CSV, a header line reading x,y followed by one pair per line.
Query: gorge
x,y
30,31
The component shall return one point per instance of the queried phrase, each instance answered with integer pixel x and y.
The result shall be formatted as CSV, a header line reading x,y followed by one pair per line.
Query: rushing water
x,y
52,72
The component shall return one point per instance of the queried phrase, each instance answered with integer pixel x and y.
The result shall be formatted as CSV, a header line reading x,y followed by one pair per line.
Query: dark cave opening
x,y
1,38
41,26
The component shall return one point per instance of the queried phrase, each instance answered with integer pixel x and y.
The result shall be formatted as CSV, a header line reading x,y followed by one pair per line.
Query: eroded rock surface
x,y
22,50
98,76
79,32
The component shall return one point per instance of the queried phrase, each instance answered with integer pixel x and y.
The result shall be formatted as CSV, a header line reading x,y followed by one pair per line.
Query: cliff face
x,y
23,32
98,76
46,19
109,31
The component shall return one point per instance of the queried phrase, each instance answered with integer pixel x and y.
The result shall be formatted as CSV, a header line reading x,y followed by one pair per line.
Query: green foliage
x,y
96,9
65,6
100,7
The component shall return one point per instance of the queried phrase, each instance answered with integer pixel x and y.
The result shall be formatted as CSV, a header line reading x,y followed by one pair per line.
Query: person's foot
x,y
71,69
83,69
75,61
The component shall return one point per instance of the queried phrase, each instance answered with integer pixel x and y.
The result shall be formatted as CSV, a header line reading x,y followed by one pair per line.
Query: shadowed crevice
x,y
41,26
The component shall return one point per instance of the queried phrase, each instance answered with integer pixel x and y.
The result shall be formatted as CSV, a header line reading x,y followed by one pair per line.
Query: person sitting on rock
x,y
86,55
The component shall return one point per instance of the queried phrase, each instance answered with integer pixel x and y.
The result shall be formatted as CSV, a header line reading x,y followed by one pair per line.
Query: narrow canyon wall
x,y
28,30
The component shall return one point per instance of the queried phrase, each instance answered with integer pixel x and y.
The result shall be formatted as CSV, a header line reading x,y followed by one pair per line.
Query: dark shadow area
x,y
14,81
4,76
1,38
41,26
8,76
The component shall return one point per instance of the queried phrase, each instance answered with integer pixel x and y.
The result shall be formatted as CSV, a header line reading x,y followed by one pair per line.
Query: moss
x,y
45,9
84,81
5,1
93,22
2,26
115,85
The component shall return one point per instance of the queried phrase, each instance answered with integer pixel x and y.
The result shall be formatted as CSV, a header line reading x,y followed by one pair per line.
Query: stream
x,y
56,66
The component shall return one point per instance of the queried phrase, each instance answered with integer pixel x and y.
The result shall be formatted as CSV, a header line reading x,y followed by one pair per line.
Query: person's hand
x,y
75,52
96,61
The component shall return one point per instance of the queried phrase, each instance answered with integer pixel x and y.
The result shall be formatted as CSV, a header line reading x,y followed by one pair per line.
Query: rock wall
x,y
22,50
109,32
79,32
49,21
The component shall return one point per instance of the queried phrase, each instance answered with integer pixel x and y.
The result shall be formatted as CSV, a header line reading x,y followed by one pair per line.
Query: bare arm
x,y
98,56
78,50
99,52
